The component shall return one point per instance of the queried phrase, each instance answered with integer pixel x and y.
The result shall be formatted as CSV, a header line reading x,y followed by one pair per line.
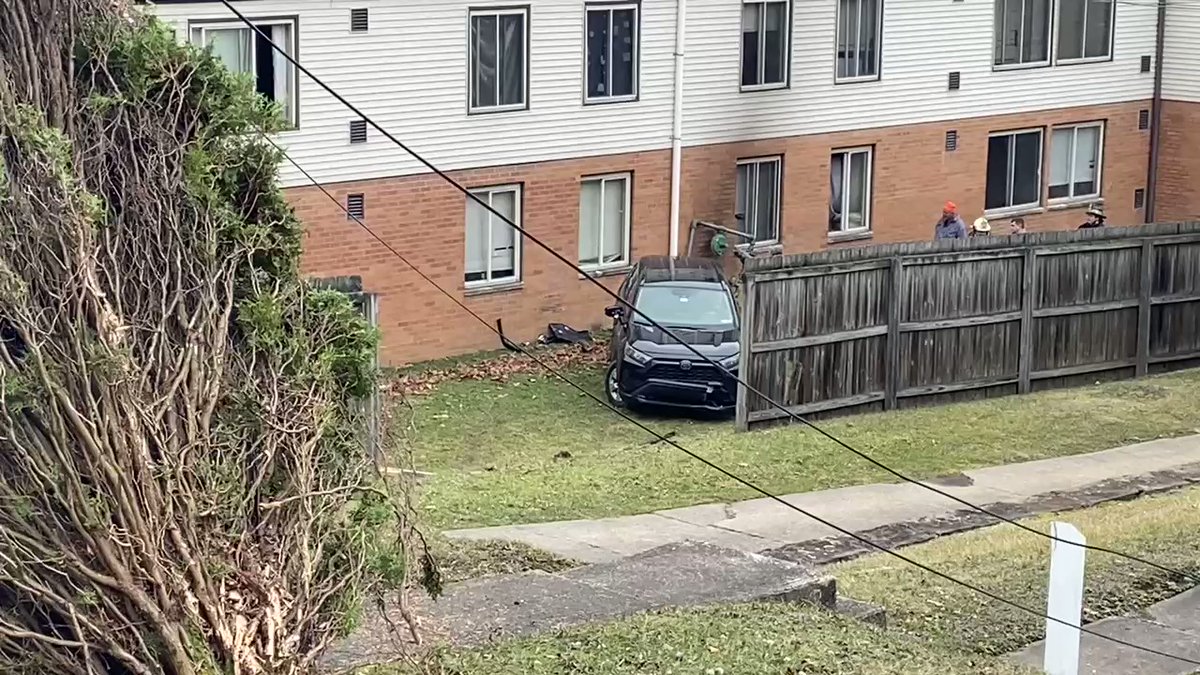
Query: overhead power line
x,y
663,438
703,357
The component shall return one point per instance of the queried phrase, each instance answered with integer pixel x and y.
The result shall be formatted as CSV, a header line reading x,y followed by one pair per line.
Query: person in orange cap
x,y
950,226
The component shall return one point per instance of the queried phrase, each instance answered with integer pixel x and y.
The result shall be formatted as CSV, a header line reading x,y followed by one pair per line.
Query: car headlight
x,y
730,362
635,356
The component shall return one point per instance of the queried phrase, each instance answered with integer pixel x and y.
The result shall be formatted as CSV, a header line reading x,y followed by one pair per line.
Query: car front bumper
x,y
697,387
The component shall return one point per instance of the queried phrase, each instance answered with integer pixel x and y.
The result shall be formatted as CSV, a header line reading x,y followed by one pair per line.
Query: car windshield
x,y
683,305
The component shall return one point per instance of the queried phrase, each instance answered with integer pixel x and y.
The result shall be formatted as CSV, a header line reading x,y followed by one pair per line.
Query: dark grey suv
x,y
691,298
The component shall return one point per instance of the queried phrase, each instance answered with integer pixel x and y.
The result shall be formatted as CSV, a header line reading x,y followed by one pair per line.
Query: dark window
x,y
1085,29
1022,32
858,34
247,51
611,58
498,57
765,39
1014,170
756,202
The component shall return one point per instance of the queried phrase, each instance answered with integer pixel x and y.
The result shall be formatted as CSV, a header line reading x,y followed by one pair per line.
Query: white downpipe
x,y
677,126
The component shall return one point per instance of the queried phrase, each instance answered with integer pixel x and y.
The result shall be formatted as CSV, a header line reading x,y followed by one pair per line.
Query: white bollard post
x,y
1064,600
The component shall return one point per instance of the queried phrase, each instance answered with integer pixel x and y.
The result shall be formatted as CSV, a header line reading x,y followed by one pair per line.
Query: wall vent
x,y
955,80
358,131
1143,119
359,20
1139,198
1146,61
356,207
951,140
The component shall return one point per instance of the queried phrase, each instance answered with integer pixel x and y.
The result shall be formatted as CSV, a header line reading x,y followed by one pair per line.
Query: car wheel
x,y
612,387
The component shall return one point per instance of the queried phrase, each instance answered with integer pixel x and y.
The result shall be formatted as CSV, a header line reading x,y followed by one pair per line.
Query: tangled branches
x,y
183,485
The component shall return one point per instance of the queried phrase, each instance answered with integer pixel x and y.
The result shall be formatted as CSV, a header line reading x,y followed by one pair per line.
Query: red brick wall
x,y
914,175
1179,163
423,218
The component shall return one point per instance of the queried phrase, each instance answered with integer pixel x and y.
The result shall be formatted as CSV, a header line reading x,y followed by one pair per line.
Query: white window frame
x,y
1019,208
609,8
1072,198
485,193
472,13
627,178
778,161
1051,35
878,43
869,188
292,108
1112,28
762,48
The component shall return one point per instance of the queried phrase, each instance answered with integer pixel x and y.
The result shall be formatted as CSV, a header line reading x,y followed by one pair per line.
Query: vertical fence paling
x,y
888,326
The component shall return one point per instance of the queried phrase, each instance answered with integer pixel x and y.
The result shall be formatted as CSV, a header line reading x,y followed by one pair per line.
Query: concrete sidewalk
x,y
1171,626
763,524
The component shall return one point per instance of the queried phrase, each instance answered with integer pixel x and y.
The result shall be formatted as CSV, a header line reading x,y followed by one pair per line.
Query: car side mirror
x,y
615,312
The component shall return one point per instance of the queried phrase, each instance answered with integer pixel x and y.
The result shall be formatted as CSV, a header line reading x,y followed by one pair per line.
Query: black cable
x,y
666,438
778,406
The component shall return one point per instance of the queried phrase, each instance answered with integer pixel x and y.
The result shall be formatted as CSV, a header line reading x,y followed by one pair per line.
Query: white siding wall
x,y
1181,51
409,74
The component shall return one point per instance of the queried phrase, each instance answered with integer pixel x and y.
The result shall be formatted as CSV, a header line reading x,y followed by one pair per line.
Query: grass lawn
x,y
733,640
532,449
935,628
1015,564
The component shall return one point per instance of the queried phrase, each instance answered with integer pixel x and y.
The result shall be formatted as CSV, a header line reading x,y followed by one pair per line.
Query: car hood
x,y
653,342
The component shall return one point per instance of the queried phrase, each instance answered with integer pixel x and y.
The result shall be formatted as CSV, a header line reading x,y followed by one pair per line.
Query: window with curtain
x,y
765,39
245,51
493,247
604,221
859,29
850,190
1022,32
1014,170
1085,29
498,57
756,203
1075,158
610,58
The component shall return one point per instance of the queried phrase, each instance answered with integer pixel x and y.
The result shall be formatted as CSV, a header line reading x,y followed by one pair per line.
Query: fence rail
x,y
885,327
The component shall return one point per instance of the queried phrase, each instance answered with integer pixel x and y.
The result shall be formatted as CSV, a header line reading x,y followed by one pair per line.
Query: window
x,y
498,59
684,304
604,221
611,52
493,246
245,51
1085,29
1022,32
757,200
1014,170
764,44
858,35
1075,156
850,190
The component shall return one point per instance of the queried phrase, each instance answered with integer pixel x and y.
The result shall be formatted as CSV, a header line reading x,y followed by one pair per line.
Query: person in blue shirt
x,y
950,226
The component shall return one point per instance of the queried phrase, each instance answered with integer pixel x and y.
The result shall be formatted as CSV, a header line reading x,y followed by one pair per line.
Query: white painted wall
x,y
1181,51
409,73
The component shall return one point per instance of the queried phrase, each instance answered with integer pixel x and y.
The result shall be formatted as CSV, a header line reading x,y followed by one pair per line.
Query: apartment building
x,y
805,123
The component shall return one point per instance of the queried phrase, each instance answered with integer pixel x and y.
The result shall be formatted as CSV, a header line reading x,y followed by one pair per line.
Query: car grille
x,y
699,372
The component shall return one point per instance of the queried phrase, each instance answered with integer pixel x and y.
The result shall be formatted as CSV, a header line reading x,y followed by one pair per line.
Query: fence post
x,y
1025,347
746,356
1145,292
891,383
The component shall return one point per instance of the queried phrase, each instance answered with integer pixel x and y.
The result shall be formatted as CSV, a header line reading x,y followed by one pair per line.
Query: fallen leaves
x,y
501,367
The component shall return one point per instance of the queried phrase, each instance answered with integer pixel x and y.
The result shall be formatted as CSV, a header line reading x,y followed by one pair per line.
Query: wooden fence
x,y
891,326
